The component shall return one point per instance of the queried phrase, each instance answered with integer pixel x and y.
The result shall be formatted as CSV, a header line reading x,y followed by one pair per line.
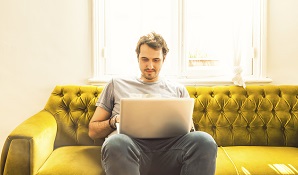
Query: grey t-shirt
x,y
128,87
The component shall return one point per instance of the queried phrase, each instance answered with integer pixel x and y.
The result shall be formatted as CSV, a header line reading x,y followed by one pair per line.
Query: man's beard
x,y
150,76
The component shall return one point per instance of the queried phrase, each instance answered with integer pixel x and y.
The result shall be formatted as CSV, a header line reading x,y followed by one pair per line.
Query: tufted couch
x,y
256,129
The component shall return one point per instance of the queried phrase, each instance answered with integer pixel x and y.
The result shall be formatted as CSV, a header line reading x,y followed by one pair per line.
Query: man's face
x,y
150,63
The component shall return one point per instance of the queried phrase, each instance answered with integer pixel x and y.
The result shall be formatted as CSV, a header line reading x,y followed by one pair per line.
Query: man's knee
x,y
117,142
202,140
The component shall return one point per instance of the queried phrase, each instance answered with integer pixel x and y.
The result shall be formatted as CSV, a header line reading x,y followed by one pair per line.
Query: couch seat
x,y
80,160
256,160
231,160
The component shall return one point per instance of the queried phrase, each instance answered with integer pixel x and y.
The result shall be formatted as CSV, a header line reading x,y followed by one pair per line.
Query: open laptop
x,y
155,117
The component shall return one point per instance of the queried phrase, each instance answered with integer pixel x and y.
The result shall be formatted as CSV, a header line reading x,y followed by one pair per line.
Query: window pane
x,y
214,29
127,20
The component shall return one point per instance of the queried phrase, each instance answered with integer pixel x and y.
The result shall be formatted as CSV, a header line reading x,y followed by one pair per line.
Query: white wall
x,y
46,43
282,42
42,44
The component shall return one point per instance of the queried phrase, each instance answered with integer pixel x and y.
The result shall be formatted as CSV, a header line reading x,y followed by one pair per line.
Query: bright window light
x,y
206,38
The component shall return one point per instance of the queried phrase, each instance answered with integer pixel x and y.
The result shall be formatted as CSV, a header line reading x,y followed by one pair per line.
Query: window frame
x,y
99,51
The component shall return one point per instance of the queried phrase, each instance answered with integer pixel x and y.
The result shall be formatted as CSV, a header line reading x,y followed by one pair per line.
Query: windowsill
x,y
196,82
221,81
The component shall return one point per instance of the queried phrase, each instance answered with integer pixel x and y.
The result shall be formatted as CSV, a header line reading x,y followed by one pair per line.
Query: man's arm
x,y
99,126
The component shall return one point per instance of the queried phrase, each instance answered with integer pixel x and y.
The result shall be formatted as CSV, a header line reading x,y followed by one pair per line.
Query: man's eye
x,y
156,60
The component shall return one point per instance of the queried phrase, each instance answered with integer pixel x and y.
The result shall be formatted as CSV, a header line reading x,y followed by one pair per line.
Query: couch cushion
x,y
262,159
70,160
230,160
224,166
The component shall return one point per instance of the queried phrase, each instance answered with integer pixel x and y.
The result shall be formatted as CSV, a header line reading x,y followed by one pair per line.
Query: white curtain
x,y
241,18
237,72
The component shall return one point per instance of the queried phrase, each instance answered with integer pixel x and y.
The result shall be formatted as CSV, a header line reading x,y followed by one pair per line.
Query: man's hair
x,y
154,41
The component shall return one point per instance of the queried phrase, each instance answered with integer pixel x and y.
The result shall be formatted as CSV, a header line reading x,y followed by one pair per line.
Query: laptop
x,y
148,118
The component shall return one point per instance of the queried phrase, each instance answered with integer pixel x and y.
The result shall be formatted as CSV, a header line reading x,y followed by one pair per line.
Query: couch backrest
x,y
73,107
233,115
255,115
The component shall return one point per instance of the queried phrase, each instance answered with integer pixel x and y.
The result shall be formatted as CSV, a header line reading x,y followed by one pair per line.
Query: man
x,y
189,154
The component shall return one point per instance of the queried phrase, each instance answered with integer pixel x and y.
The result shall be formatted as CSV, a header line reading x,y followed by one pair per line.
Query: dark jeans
x,y
190,154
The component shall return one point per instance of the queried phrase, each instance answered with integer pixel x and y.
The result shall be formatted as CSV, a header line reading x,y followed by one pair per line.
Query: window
x,y
208,39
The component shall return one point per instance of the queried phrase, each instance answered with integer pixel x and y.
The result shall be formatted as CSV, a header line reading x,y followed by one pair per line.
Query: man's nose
x,y
150,65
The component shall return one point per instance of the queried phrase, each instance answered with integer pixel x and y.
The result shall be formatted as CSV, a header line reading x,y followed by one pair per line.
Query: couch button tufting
x,y
247,127
96,94
213,127
78,94
66,109
282,128
239,111
265,127
75,126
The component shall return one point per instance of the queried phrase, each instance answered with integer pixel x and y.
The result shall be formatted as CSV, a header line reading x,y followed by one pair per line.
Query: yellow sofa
x,y
256,129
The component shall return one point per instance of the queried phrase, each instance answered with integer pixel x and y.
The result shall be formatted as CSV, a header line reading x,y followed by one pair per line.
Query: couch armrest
x,y
29,145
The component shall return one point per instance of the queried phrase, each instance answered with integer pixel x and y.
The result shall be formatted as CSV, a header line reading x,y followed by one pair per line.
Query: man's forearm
x,y
99,129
